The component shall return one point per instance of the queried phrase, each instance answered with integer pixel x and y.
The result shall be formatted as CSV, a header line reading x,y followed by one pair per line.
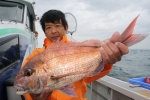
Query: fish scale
x,y
76,67
76,62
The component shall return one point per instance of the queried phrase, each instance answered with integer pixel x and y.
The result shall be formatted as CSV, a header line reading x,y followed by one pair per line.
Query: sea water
x,y
135,64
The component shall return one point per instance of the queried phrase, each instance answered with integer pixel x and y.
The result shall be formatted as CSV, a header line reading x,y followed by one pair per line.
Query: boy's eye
x,y
58,25
48,27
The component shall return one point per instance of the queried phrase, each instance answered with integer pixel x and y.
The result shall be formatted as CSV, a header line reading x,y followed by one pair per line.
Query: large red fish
x,y
61,64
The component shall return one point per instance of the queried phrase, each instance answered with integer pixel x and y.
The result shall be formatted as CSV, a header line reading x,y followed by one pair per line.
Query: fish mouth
x,y
20,90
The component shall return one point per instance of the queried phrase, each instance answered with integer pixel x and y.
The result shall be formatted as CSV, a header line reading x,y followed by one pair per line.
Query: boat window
x,y
9,52
11,11
29,21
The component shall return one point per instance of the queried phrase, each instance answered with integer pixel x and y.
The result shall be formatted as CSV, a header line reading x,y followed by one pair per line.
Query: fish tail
x,y
135,38
130,39
128,31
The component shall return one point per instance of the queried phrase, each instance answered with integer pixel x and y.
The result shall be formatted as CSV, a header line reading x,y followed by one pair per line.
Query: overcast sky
x,y
99,19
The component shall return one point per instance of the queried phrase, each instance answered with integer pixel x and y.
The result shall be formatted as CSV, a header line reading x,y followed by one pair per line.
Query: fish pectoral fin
x,y
51,82
53,77
69,90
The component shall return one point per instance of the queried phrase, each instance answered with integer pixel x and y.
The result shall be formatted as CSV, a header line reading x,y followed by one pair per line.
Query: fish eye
x,y
28,71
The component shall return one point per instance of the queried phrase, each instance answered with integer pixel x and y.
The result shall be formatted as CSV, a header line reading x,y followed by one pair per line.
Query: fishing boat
x,y
17,26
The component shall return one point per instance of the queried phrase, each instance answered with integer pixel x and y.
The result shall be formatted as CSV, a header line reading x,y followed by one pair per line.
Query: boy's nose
x,y
54,30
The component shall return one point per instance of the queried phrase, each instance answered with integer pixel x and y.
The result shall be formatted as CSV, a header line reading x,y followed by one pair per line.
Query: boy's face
x,y
55,31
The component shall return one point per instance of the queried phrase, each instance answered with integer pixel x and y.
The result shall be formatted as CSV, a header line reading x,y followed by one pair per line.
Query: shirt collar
x,y
47,42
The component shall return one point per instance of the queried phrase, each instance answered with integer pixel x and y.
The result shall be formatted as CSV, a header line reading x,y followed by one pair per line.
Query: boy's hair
x,y
53,16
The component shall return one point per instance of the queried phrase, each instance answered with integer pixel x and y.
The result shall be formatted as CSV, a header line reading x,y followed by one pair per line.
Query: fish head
x,y
28,80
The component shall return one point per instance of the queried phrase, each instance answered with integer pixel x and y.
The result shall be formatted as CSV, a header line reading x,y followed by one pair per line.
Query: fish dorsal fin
x,y
86,43
59,49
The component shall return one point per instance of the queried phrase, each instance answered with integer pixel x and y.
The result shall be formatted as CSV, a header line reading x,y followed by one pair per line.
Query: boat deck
x,y
108,88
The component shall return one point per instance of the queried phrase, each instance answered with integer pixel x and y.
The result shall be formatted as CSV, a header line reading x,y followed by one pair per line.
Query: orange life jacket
x,y
80,86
